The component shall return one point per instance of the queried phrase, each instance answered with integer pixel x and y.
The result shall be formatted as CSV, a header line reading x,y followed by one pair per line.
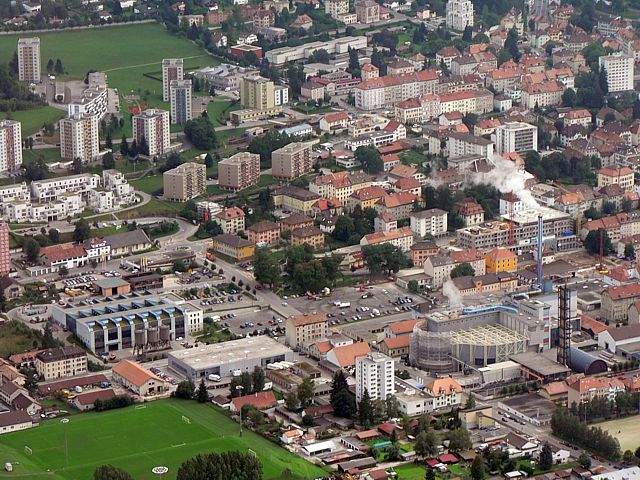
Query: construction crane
x,y
602,268
512,239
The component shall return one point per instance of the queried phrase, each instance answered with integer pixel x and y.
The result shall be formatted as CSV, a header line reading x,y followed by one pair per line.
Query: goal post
x,y
252,453
140,407
28,451
186,420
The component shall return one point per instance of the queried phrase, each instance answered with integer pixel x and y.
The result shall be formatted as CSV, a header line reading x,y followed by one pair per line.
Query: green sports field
x,y
137,439
626,430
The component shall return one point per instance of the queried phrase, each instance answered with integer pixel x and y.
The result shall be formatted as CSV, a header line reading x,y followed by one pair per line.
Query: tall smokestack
x,y
540,252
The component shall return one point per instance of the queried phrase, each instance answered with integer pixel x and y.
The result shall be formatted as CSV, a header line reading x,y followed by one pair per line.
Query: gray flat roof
x,y
209,356
110,282
539,363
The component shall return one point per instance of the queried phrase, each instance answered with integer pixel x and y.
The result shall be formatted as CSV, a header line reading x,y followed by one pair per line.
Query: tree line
x,y
568,426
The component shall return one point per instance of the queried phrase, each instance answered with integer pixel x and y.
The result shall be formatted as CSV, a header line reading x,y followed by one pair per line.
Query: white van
x,y
214,378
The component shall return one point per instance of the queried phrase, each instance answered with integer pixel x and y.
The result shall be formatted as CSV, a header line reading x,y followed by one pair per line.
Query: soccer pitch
x,y
138,439
629,428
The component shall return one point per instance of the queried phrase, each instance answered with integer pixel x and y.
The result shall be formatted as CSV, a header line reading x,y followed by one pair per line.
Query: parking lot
x,y
248,320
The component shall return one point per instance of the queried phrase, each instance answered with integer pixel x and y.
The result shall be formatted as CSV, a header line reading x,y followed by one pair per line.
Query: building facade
x,y
61,362
292,160
180,96
185,182
79,137
459,14
619,70
153,125
239,171
172,69
29,60
374,374
305,327
10,145
516,137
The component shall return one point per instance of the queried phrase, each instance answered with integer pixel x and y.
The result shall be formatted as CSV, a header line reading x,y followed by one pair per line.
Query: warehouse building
x,y
229,358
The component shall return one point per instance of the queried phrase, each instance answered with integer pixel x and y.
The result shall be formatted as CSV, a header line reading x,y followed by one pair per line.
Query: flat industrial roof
x,y
539,363
209,356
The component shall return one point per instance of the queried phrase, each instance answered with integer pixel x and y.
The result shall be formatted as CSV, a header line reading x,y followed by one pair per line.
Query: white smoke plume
x,y
452,293
506,178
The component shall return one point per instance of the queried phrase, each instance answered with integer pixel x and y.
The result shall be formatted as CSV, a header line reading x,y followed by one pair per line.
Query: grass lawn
x,y
155,208
219,110
626,430
49,155
32,120
410,471
265,181
149,183
15,338
157,432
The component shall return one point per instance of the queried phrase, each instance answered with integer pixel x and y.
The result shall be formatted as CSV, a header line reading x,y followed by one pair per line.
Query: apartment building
x,y
501,260
239,171
470,210
61,362
375,375
295,199
542,95
172,69
367,11
310,235
439,267
431,222
231,220
93,100
465,144
619,70
185,182
459,14
622,176
29,60
79,137
385,92
258,97
5,256
446,391
306,327
10,145
292,160
52,189
470,101
153,125
517,137
403,238
336,8
180,99
264,233
340,185
234,246
617,300
590,388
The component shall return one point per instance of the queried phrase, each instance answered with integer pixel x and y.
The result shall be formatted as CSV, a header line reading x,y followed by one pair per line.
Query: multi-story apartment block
x,y
402,238
172,69
264,233
29,60
231,220
180,96
446,392
617,300
153,125
459,14
375,375
240,171
292,160
79,137
61,362
94,100
542,95
305,327
263,19
10,145
501,260
622,176
619,72
53,189
234,246
431,222
185,182
5,256
257,92
367,11
335,8
386,91
590,388
340,185
470,211
464,144
470,101
516,137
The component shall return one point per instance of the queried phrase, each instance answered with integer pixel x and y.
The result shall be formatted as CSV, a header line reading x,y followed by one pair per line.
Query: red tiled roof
x,y
63,251
390,81
347,354
397,342
260,400
405,326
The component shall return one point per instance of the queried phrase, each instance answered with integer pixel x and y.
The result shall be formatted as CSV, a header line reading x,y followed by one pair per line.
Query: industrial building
x,y
141,321
477,337
228,358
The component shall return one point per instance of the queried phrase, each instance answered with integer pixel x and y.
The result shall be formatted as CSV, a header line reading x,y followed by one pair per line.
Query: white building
x,y
619,71
10,145
52,189
172,69
29,60
374,373
459,14
93,100
17,192
79,137
429,222
153,125
280,56
516,137
335,8
180,92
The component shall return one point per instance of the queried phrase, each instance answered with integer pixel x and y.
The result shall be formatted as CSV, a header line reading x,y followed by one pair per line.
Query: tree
x,y
82,231
628,456
584,460
50,66
569,98
266,268
31,249
201,395
629,251
306,391
467,35
426,443
354,62
511,44
344,404
59,69
413,286
258,379
365,410
459,439
291,401
602,80
208,160
54,235
477,468
201,133
63,271
546,458
186,389
109,472
370,159
47,337
430,474
463,270
592,243
233,464
471,401
124,146
107,161
392,406
377,59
